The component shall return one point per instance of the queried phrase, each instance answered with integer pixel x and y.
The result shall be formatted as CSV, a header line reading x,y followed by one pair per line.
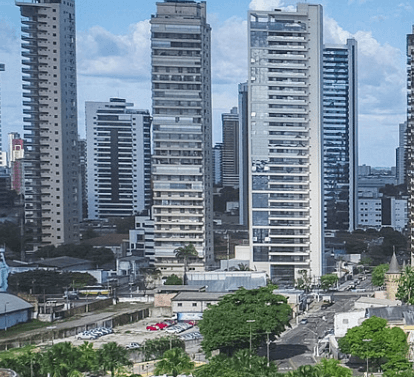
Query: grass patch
x,y
12,353
22,328
127,332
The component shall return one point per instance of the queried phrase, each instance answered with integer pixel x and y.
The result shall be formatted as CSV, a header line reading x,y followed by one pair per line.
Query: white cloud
x,y
382,80
101,53
269,5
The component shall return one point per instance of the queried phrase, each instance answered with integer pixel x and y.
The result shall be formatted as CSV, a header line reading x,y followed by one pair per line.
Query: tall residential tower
x,y
182,128
340,136
118,140
285,137
50,121
410,138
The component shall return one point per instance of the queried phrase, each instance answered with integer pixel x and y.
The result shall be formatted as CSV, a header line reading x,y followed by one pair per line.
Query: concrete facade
x,y
50,120
285,142
118,159
182,171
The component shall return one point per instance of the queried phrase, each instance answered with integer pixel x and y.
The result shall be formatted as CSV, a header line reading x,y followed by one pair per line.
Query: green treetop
x,y
225,325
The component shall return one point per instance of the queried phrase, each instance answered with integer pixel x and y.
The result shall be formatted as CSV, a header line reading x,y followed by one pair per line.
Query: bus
x,y
94,290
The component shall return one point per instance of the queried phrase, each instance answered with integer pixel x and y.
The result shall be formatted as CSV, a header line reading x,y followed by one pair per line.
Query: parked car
x,y
152,327
132,345
304,321
161,325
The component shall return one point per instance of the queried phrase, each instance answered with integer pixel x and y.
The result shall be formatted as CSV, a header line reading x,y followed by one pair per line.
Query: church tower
x,y
392,277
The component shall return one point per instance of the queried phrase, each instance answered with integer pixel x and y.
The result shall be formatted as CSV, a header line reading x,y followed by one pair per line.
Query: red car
x,y
161,325
152,327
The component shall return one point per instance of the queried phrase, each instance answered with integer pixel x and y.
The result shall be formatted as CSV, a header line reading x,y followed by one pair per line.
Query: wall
x,y
163,299
46,335
10,319
346,320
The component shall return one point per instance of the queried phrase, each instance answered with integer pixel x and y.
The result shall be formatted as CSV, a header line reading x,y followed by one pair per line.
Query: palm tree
x,y
112,356
242,267
175,361
88,359
185,252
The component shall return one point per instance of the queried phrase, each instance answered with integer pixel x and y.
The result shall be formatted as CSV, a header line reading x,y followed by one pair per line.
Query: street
x,y
297,346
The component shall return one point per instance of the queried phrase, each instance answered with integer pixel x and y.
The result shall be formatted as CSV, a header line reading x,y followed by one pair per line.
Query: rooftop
x,y
11,303
61,262
179,288
199,296
113,239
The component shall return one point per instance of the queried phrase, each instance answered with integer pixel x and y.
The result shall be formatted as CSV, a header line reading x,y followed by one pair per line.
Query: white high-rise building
x,y
50,121
182,128
285,142
410,139
118,140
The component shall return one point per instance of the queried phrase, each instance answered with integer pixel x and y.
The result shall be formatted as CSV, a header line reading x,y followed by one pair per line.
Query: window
x,y
194,304
179,304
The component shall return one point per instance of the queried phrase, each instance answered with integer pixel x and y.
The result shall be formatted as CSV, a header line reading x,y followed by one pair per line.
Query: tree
x,y
242,267
405,291
243,363
305,282
175,361
60,360
325,368
173,280
185,252
112,357
225,327
328,280
398,366
378,274
155,348
374,340
51,281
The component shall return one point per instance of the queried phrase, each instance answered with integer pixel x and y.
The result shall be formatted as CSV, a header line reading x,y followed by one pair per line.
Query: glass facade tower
x,y
410,138
340,125
182,169
285,142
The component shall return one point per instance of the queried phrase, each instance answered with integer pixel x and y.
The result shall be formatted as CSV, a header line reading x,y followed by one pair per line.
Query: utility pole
x,y
268,349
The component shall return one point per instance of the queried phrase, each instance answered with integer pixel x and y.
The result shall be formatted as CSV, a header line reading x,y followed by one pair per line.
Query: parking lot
x,y
137,333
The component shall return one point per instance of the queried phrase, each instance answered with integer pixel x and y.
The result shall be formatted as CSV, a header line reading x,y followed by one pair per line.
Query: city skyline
x,y
105,55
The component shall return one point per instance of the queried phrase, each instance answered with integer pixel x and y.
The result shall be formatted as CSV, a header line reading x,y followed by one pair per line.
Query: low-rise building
x,y
164,294
191,305
13,310
226,281
347,320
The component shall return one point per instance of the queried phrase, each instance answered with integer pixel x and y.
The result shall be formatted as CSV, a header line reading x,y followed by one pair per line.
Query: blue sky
x,y
114,59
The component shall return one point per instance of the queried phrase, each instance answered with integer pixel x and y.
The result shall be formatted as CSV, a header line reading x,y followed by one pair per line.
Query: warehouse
x,y
13,310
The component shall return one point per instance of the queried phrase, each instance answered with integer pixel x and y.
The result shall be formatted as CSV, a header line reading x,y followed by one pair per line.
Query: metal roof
x,y
200,296
10,303
179,288
61,262
390,313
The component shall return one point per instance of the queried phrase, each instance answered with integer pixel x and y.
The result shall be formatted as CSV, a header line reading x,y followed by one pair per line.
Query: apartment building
x,y
50,122
340,136
230,154
410,138
182,171
285,142
118,159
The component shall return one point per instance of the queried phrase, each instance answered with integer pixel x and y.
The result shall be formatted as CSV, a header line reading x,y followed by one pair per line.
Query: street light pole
x,y
5,315
250,359
367,340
